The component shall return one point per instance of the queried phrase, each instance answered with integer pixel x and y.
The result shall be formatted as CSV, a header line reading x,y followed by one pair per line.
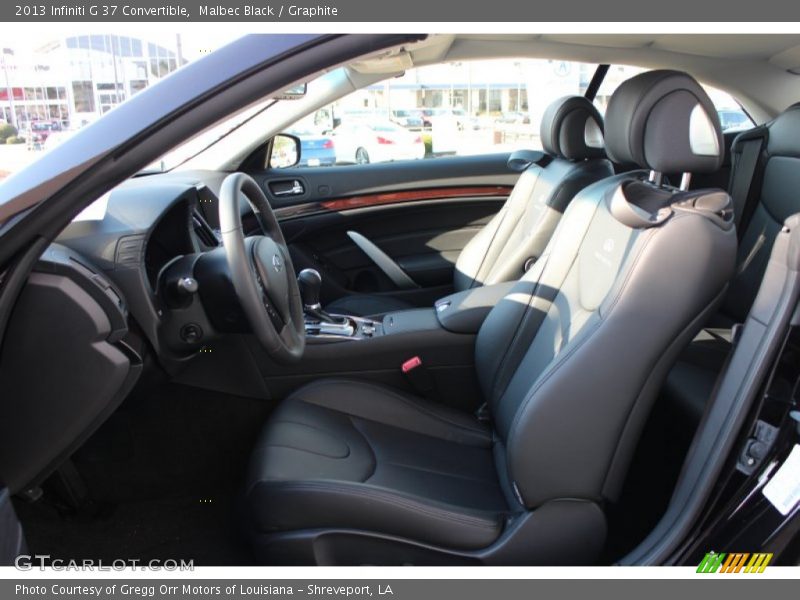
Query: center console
x,y
322,327
343,328
461,313
441,339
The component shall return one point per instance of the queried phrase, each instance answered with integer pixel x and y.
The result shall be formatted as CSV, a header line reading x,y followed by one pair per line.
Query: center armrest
x,y
407,321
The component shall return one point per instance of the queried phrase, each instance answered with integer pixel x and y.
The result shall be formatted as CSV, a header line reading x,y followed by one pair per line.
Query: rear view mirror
x,y
284,151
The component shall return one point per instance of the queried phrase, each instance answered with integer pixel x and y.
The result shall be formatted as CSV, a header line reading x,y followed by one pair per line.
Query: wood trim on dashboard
x,y
370,200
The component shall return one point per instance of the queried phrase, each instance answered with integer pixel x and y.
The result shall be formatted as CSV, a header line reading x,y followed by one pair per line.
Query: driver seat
x,y
569,362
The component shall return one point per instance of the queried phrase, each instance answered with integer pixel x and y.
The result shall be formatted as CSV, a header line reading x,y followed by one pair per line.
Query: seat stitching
x,y
408,401
271,445
399,501
369,447
306,450
487,482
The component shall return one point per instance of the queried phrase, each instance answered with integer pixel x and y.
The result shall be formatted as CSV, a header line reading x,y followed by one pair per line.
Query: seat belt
x,y
742,179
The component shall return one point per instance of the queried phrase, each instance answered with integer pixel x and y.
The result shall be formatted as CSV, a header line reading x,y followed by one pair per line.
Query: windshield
x,y
229,142
200,143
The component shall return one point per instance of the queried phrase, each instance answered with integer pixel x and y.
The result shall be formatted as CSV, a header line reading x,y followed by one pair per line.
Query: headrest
x,y
784,133
572,128
664,121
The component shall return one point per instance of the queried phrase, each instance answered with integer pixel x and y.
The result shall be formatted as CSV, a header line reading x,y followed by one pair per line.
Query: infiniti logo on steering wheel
x,y
277,263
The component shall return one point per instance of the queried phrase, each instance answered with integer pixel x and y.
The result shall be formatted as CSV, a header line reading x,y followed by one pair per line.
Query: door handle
x,y
287,188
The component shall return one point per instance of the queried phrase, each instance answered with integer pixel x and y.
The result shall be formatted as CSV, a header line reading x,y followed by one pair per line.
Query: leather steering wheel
x,y
261,271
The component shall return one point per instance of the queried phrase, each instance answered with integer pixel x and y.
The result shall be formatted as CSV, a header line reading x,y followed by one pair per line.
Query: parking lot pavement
x,y
14,157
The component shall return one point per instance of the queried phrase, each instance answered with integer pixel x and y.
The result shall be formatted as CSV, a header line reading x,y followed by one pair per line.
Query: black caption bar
x,y
731,11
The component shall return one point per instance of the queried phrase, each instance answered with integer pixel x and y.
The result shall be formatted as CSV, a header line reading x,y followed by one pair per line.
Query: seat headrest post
x,y
686,180
656,178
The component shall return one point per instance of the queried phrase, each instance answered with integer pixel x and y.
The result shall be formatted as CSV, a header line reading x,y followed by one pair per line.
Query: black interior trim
x,y
597,81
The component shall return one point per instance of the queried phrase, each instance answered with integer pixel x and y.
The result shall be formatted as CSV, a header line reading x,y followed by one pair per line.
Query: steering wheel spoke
x,y
278,322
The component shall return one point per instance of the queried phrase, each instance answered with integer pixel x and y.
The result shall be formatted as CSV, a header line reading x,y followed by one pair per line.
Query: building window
x,y
56,93
83,94
137,85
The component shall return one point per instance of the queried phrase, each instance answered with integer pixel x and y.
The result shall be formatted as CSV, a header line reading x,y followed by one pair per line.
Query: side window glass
x,y
454,109
731,115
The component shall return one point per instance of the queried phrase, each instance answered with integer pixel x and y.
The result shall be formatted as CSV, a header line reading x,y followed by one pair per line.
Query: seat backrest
x,y
775,196
572,135
570,359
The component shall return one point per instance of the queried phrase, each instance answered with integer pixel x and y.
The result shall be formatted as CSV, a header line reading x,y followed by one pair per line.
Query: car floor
x,y
164,475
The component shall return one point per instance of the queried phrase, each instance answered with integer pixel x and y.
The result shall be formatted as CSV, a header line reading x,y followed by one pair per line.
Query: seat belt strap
x,y
743,174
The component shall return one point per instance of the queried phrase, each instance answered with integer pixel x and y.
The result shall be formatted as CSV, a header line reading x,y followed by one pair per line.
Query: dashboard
x,y
151,227
100,297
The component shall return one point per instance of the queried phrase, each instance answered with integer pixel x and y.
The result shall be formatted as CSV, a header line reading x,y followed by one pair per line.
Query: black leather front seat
x,y
572,135
350,472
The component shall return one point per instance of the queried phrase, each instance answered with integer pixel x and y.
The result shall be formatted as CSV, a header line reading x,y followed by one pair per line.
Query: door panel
x,y
323,184
423,238
420,213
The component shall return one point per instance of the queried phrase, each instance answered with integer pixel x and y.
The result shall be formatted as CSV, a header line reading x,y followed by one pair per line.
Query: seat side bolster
x,y
287,505
395,408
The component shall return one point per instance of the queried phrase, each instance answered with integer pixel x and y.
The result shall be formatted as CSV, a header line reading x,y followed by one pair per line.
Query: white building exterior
x,y
76,78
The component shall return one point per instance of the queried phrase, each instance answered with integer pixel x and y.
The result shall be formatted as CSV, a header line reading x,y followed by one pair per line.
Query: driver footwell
x,y
163,476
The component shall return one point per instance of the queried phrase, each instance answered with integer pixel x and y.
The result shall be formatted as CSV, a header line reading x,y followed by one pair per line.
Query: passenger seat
x,y
766,192
572,137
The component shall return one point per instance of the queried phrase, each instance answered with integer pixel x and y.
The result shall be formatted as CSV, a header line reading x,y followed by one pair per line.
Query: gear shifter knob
x,y
310,282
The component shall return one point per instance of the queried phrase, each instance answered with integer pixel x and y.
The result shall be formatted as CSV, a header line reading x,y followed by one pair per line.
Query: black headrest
x,y
572,128
784,133
664,121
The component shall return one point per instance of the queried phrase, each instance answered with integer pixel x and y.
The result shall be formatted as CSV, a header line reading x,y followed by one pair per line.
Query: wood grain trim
x,y
370,200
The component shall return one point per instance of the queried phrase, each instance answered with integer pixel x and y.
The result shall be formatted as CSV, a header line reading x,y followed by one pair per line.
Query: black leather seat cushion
x,y
357,455
364,305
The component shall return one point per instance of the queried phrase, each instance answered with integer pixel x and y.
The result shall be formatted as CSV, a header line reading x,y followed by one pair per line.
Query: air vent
x,y
129,250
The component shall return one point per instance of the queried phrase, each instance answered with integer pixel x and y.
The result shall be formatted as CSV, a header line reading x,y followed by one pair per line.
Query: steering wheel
x,y
261,271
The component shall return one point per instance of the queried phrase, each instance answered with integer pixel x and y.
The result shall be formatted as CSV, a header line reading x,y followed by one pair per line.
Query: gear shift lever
x,y
310,282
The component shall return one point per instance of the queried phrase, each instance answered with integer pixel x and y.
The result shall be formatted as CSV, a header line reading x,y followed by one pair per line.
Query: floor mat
x,y
164,473
200,530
